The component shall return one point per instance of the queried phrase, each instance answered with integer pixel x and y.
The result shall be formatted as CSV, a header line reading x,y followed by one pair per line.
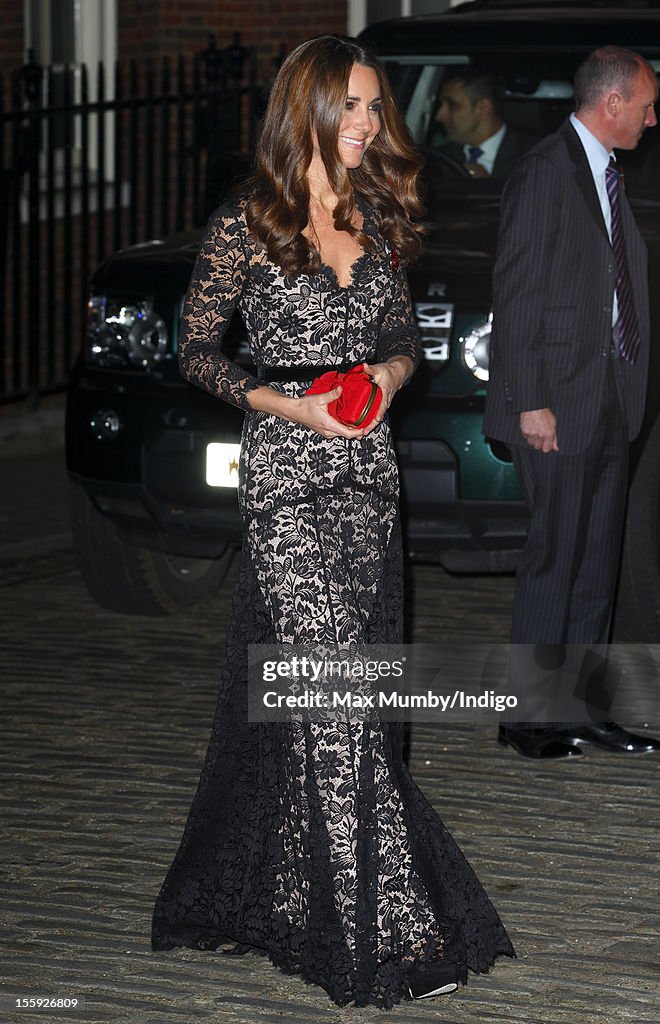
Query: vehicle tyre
x,y
134,580
637,617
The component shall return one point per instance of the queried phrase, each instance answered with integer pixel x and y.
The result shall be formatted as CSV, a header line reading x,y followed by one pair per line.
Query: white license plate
x,y
222,464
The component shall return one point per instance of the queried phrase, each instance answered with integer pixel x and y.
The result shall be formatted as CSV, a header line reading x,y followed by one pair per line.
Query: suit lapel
x,y
583,176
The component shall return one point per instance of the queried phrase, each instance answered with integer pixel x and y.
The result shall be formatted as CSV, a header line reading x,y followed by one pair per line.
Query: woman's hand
x,y
309,410
390,377
312,410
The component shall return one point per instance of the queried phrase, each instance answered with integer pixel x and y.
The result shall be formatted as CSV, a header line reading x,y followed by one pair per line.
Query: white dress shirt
x,y
489,148
599,159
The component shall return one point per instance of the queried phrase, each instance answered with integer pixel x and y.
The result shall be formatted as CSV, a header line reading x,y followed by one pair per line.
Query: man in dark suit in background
x,y
476,136
568,373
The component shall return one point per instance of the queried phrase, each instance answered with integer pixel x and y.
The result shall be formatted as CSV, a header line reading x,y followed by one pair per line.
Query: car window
x,y
531,96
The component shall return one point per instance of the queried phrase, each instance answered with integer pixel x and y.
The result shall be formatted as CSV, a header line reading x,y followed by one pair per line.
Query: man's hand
x,y
539,428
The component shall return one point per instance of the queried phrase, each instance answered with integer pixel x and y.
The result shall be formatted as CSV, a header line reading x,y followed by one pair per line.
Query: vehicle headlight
x,y
119,334
475,349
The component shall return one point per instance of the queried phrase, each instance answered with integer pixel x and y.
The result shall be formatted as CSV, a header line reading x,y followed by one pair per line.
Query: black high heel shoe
x,y
432,978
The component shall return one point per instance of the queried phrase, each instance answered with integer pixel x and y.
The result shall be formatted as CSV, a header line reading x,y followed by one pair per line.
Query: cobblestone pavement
x,y
105,721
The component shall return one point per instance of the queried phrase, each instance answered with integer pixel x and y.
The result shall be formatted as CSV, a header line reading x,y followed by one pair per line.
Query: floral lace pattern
x,y
310,841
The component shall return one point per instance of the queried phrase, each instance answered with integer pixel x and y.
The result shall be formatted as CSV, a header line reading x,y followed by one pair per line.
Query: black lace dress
x,y
310,841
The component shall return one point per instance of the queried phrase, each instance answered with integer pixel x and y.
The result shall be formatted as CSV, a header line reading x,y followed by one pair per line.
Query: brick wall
x,y
12,53
168,26
154,27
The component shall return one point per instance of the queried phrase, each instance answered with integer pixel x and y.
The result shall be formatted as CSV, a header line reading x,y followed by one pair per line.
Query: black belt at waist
x,y
282,374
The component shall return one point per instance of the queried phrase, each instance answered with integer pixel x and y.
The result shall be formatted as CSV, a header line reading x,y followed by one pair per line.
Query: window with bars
x,y
62,37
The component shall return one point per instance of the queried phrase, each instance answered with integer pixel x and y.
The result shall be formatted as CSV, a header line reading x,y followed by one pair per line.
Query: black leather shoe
x,y
610,736
432,978
540,744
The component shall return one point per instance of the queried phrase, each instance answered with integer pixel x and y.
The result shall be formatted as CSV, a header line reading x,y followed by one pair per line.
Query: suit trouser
x,y
567,575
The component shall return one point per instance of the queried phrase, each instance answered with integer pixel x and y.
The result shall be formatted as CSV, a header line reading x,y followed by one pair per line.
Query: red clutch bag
x,y
360,396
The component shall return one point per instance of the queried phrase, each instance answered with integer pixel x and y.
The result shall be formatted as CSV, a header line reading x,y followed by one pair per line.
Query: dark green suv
x,y
153,460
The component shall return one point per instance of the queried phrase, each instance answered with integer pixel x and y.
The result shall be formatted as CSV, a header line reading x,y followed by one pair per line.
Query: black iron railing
x,y
92,160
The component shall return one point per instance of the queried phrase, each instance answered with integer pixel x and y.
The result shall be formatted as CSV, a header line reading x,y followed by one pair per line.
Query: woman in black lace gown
x,y
310,841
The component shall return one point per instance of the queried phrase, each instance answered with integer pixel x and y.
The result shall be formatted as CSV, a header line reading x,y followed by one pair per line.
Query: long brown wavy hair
x,y
309,94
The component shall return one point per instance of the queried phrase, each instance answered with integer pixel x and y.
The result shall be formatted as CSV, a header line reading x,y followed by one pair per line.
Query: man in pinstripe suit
x,y
565,393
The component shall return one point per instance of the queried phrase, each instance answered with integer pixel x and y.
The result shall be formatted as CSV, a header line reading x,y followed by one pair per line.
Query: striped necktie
x,y
627,325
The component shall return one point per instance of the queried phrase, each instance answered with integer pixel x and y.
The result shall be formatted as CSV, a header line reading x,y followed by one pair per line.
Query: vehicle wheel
x,y
637,616
134,580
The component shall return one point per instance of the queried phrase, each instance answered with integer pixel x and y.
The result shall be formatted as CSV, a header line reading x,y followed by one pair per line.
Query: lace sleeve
x,y
399,335
220,272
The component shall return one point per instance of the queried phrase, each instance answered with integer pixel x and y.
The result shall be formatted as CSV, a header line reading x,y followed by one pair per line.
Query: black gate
x,y
95,159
